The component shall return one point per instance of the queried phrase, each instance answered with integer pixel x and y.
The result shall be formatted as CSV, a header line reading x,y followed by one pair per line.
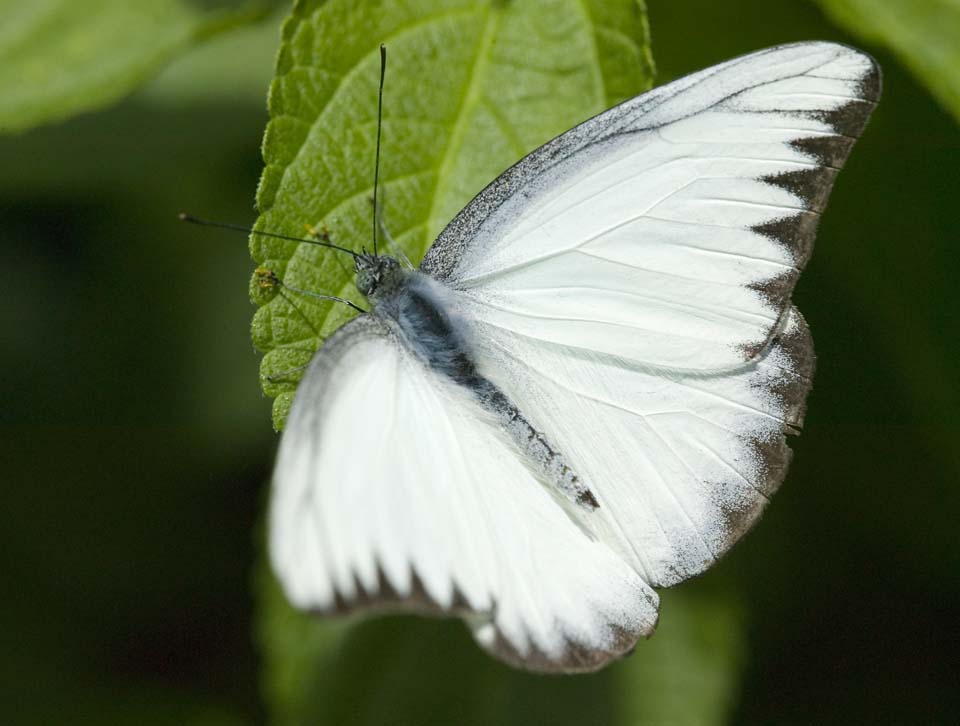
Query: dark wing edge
x,y
791,350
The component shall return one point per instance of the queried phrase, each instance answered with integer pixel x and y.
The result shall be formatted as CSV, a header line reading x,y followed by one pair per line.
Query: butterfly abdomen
x,y
422,311
536,447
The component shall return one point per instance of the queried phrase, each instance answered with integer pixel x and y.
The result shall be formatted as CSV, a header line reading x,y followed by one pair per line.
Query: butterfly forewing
x,y
668,231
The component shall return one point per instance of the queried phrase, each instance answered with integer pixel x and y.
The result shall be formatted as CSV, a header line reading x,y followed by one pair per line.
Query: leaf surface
x,y
471,87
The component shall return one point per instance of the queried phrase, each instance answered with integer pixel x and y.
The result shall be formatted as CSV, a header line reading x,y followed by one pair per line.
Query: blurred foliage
x,y
472,86
135,448
61,57
924,33
131,419
408,670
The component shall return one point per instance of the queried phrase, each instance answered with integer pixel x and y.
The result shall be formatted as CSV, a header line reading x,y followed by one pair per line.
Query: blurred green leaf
x,y
228,67
471,86
924,33
688,672
420,671
61,57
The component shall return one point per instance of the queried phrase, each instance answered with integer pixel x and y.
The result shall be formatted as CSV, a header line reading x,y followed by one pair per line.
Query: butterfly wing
x,y
681,465
628,285
392,487
669,230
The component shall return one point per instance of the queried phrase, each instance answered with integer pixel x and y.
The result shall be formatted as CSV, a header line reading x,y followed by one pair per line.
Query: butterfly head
x,y
377,274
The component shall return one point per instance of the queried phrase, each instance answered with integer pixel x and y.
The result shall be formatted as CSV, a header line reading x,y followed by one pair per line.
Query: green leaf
x,y
924,33
419,671
62,57
231,67
688,672
471,87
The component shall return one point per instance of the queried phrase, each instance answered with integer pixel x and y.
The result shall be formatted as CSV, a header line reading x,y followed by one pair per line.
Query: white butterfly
x,y
583,392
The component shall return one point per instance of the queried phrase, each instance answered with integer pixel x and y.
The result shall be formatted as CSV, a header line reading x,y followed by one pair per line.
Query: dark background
x,y
136,444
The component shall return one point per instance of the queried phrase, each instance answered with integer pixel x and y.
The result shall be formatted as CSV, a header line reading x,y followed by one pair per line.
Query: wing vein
x,y
699,312
567,318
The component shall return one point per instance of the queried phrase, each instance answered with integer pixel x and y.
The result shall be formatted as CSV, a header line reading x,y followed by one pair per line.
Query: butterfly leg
x,y
320,296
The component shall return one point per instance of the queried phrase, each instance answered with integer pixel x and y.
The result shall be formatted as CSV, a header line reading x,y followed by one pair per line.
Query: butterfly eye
x,y
362,282
367,281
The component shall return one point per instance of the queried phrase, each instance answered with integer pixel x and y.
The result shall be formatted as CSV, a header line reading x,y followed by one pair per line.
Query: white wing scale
x,y
393,487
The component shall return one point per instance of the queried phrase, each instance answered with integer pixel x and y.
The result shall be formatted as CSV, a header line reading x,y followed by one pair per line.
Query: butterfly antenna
x,y
376,163
184,217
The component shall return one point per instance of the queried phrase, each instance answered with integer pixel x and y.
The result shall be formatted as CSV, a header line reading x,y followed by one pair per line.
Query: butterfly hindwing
x,y
681,465
393,488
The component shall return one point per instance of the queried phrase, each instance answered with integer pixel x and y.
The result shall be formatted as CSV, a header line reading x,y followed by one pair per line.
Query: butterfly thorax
x,y
378,275
419,309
